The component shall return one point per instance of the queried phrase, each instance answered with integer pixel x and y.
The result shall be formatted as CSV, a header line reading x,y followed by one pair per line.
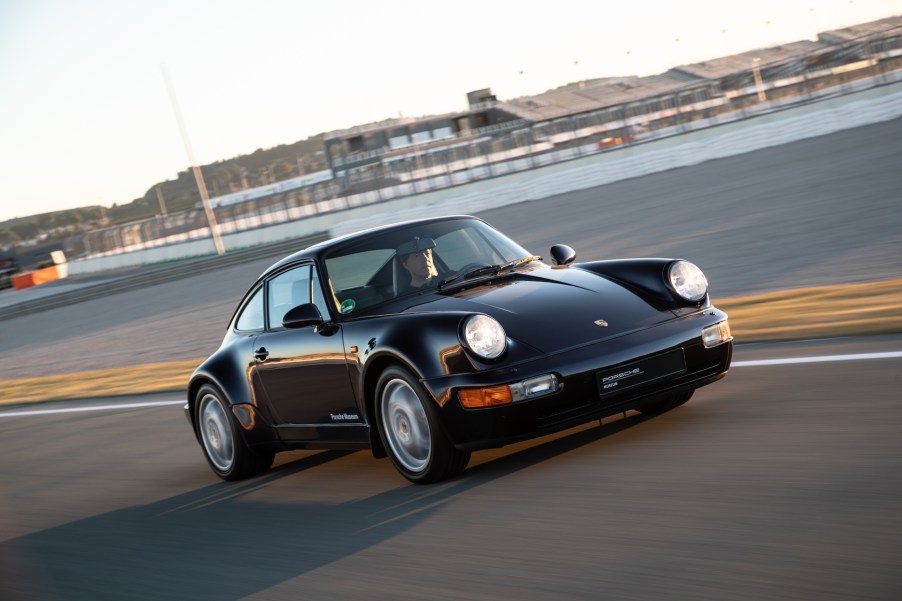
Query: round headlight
x,y
484,336
687,280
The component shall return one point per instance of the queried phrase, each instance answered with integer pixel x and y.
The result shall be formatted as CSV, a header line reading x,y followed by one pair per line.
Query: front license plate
x,y
639,373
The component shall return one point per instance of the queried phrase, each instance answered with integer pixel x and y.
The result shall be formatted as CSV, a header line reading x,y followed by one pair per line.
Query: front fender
x,y
647,278
428,344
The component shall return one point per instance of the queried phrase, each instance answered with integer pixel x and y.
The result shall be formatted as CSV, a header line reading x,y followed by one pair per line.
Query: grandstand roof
x,y
593,95
863,30
718,68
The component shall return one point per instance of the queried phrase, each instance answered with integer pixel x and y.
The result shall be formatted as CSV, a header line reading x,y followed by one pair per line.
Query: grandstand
x,y
405,155
701,86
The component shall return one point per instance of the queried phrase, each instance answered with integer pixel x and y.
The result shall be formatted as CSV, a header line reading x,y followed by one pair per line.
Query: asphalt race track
x,y
779,482
818,211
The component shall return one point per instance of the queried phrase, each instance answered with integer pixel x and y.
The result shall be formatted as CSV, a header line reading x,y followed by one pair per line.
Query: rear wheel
x,y
224,447
410,431
664,403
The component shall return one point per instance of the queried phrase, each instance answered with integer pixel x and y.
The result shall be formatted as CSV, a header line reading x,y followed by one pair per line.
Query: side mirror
x,y
562,254
302,316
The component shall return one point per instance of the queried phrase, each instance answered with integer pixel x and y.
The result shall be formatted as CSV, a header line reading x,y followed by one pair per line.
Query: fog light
x,y
716,334
534,387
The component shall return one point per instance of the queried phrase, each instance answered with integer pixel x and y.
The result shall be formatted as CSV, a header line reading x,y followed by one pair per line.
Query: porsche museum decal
x,y
343,417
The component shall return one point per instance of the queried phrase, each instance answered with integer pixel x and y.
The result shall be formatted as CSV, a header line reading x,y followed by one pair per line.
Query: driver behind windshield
x,y
416,259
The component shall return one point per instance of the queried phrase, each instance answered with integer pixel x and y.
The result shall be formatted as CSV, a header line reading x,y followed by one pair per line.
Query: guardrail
x,y
157,275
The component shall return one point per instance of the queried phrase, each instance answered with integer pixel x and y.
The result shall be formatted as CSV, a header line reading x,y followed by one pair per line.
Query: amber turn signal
x,y
474,398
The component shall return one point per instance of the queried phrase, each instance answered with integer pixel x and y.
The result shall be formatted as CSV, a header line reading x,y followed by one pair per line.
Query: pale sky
x,y
85,117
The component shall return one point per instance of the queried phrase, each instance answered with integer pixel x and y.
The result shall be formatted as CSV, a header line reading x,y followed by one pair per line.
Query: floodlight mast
x,y
198,176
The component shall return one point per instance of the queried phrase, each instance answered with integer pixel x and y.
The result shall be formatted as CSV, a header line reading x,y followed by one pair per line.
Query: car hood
x,y
551,309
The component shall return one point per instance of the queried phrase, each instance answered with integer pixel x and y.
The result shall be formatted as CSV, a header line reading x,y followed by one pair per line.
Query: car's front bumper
x,y
579,400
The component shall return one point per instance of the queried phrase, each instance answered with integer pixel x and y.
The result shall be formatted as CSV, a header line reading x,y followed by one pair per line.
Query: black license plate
x,y
639,373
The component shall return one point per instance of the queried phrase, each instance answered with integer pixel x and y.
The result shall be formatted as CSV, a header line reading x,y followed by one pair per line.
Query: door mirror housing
x,y
562,254
302,316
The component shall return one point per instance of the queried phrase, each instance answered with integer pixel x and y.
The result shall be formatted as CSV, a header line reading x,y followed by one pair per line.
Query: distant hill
x,y
229,175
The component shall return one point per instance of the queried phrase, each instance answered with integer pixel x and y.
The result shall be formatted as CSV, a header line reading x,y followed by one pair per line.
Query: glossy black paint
x,y
646,278
562,254
302,315
310,383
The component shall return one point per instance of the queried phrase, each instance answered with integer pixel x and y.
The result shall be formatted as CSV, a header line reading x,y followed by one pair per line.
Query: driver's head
x,y
416,257
420,266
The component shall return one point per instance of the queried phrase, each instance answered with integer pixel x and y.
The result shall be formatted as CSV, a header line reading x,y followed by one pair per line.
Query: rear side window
x,y
251,317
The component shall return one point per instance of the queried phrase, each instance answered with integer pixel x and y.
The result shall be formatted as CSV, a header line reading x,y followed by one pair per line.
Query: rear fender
x,y
224,371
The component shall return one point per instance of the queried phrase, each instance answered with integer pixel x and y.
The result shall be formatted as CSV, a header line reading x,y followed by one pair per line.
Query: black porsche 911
x,y
427,340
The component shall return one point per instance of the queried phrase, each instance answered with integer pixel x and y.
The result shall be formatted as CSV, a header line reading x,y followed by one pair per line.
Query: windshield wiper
x,y
470,274
486,269
518,262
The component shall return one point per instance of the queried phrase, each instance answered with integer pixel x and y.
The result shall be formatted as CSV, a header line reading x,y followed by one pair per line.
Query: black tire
x,y
664,403
410,432
221,441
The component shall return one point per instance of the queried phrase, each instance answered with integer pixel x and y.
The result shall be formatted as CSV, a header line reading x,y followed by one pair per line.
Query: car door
x,y
303,371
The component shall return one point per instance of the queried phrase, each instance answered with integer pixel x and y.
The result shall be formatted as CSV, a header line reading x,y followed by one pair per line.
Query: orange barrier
x,y
36,278
611,142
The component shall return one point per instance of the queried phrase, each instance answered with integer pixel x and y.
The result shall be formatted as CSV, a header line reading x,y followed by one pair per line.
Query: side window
x,y
286,291
251,317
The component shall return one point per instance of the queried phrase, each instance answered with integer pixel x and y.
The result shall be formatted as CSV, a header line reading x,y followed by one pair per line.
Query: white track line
x,y
90,408
821,359
757,363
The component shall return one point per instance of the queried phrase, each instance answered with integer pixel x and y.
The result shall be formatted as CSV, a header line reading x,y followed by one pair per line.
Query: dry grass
x,y
141,379
825,311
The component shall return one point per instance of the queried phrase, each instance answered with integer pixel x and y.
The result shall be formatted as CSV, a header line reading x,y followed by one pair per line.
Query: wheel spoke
x,y
406,426
216,433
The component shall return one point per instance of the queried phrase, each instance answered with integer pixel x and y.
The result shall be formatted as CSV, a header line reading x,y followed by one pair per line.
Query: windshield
x,y
406,261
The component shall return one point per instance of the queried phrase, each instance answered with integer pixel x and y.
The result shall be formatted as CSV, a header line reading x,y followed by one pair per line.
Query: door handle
x,y
261,354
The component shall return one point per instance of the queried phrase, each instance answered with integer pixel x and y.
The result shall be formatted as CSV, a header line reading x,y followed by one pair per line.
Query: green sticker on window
x,y
348,305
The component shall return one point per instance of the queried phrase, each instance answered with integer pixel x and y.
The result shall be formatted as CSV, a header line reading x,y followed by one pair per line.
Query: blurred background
x,y
496,90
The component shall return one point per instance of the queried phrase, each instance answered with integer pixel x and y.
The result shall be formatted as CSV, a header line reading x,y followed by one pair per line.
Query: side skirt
x,y
325,436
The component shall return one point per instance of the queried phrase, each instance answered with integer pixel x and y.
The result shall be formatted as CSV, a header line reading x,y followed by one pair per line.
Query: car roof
x,y
316,250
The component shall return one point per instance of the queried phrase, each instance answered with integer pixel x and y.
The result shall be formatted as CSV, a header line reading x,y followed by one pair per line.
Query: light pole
x,y
198,176
756,68
162,202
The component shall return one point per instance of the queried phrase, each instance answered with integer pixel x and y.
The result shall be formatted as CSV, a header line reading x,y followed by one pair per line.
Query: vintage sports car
x,y
430,339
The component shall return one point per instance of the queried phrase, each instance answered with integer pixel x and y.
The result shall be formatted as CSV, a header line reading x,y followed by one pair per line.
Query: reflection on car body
x,y
427,340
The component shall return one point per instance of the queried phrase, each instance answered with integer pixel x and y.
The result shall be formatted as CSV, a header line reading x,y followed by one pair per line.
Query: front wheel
x,y
224,447
410,432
